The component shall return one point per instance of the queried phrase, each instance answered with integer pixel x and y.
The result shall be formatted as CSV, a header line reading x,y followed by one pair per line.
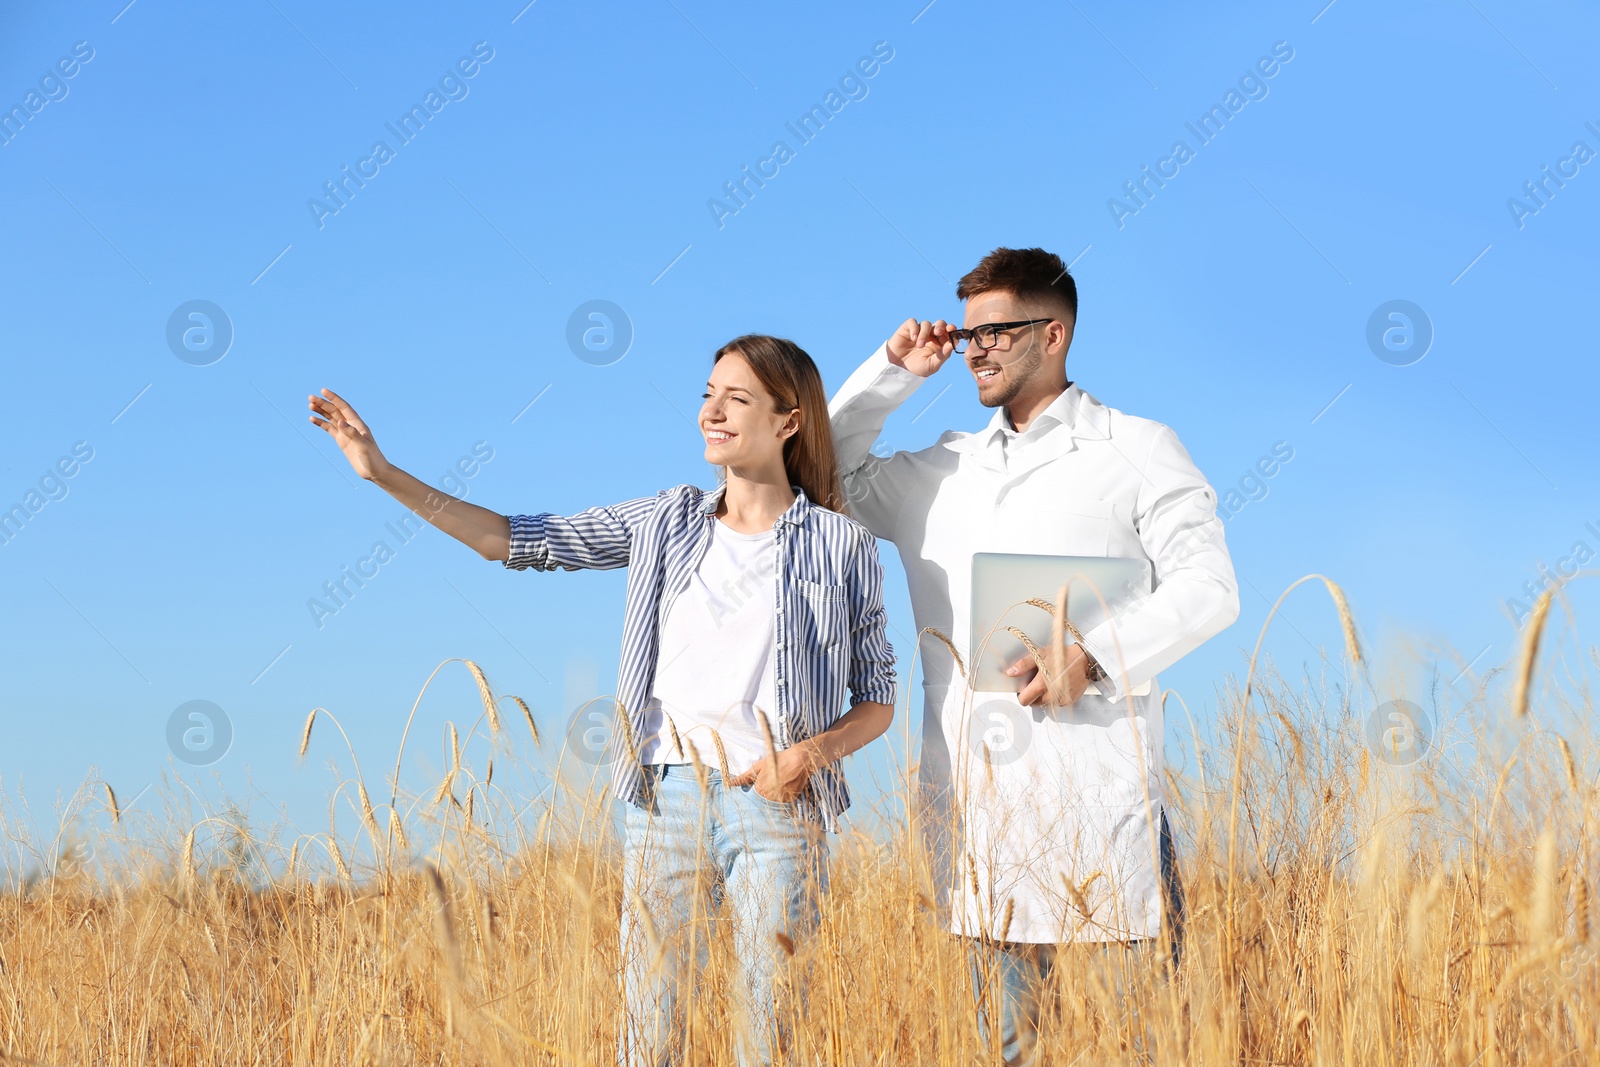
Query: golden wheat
x,y
1340,910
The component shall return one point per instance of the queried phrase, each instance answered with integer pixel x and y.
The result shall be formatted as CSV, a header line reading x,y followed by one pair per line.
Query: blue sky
x,y
582,158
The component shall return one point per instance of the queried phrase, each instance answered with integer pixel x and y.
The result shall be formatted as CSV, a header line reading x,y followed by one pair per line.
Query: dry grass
x,y
1340,910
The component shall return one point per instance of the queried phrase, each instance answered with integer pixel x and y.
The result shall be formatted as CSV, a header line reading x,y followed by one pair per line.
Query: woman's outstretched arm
x,y
488,533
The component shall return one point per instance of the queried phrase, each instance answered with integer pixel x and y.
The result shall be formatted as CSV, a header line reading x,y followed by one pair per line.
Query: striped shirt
x,y
829,627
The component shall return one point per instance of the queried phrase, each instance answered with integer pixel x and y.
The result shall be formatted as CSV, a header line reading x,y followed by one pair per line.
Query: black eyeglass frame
x,y
993,329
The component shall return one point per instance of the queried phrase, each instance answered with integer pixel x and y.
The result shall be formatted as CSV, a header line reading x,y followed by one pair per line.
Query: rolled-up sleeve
x,y
596,539
872,673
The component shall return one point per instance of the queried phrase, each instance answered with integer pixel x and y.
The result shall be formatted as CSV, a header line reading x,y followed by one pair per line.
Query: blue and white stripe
x,y
829,629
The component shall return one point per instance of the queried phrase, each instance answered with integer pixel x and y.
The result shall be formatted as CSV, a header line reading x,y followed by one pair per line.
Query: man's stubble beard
x,y
1018,374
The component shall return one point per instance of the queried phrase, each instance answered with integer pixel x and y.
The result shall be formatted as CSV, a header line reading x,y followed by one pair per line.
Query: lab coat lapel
x,y
1059,441
981,448
1085,421
1079,417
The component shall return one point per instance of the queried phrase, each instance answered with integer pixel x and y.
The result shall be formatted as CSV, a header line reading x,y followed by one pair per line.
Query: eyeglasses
x,y
988,335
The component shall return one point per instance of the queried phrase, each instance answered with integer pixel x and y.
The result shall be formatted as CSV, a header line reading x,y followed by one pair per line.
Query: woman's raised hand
x,y
331,412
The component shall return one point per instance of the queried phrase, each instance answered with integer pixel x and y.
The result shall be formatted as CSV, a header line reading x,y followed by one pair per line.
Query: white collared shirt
x,y
1012,440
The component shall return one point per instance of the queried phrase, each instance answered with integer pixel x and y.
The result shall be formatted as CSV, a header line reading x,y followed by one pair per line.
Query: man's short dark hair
x,y
1025,272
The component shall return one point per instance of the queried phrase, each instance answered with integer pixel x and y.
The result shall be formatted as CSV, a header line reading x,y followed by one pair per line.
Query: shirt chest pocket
x,y
821,619
1074,527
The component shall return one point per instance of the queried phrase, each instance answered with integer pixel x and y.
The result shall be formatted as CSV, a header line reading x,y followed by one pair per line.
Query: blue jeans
x,y
1015,973
697,861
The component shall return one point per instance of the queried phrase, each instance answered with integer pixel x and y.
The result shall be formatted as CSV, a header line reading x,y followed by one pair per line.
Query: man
x,y
1050,831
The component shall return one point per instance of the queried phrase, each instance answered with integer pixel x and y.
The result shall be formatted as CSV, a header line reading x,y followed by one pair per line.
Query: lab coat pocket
x,y
1075,527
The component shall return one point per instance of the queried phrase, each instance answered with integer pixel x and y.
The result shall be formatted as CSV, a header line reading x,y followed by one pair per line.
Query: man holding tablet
x,y
1043,805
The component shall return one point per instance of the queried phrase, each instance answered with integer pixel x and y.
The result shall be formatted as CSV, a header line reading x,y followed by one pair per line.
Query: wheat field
x,y
1340,910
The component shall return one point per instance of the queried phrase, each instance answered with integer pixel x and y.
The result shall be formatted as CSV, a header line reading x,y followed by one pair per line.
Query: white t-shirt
x,y
716,656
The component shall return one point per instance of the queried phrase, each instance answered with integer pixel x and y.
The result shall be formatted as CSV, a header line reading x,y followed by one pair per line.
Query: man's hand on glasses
x,y
922,347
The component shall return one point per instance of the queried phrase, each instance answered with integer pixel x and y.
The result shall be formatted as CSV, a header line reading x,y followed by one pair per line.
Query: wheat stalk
x,y
338,859
367,815
398,828
445,785
1547,915
190,874
446,930
1568,764
702,773
949,644
1347,621
527,714
1049,667
625,728
722,755
1530,652
672,729
489,706
305,732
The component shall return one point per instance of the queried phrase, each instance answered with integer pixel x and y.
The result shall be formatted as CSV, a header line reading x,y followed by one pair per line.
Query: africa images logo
x,y
1399,733
1252,86
852,85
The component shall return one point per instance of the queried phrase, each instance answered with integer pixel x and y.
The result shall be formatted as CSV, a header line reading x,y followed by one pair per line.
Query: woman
x,y
751,610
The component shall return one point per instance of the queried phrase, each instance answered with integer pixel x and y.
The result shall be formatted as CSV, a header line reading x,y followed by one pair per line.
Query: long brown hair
x,y
789,375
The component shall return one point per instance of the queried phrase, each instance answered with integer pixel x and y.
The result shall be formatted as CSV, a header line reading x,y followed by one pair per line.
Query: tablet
x,y
1004,582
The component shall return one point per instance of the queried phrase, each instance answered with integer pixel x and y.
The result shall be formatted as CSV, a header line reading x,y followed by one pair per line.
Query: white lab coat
x,y
1043,822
